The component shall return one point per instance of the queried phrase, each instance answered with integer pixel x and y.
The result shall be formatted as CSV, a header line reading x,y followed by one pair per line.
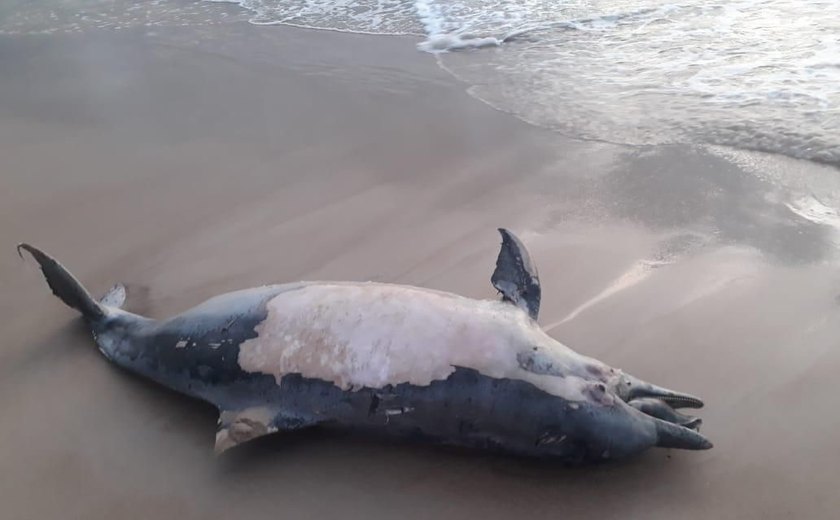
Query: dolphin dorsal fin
x,y
516,275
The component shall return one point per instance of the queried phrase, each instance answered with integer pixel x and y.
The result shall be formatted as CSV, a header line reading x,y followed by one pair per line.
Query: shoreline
x,y
242,17
200,160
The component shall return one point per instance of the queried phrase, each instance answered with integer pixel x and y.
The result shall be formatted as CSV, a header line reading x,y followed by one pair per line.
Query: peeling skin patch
x,y
372,335
548,438
398,411
539,362
242,426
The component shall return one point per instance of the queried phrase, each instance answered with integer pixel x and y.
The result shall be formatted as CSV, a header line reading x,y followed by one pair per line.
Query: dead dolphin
x,y
408,361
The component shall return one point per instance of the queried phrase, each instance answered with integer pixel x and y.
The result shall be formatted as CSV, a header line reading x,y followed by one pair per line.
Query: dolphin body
x,y
407,361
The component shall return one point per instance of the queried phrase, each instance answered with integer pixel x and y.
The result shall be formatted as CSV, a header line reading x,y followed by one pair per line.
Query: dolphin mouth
x,y
631,388
674,429
674,399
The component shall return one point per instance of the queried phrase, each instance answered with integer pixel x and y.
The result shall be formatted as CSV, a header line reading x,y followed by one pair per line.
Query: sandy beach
x,y
190,161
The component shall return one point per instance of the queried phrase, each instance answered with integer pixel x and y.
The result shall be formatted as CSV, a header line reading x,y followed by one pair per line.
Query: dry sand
x,y
187,163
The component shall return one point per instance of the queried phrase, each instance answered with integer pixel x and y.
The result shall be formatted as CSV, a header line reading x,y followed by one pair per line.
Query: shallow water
x,y
752,74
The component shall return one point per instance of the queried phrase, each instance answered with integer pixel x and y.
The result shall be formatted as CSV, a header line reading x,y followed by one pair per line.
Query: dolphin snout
x,y
660,405
631,388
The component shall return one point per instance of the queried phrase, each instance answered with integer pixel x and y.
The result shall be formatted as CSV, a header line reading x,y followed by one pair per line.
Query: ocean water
x,y
752,74
74,16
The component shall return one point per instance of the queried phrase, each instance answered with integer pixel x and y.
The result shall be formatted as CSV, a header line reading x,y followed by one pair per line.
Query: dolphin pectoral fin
x,y
660,409
240,426
115,297
516,275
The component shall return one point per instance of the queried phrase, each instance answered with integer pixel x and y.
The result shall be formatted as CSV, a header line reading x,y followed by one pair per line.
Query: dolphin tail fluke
x,y
67,288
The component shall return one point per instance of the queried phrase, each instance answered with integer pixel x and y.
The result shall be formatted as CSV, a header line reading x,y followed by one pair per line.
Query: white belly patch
x,y
372,335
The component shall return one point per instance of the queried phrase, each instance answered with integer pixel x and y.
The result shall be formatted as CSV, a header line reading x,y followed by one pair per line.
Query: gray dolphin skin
x,y
406,361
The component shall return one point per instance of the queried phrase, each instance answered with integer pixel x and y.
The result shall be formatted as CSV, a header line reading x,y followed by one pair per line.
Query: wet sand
x,y
189,162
